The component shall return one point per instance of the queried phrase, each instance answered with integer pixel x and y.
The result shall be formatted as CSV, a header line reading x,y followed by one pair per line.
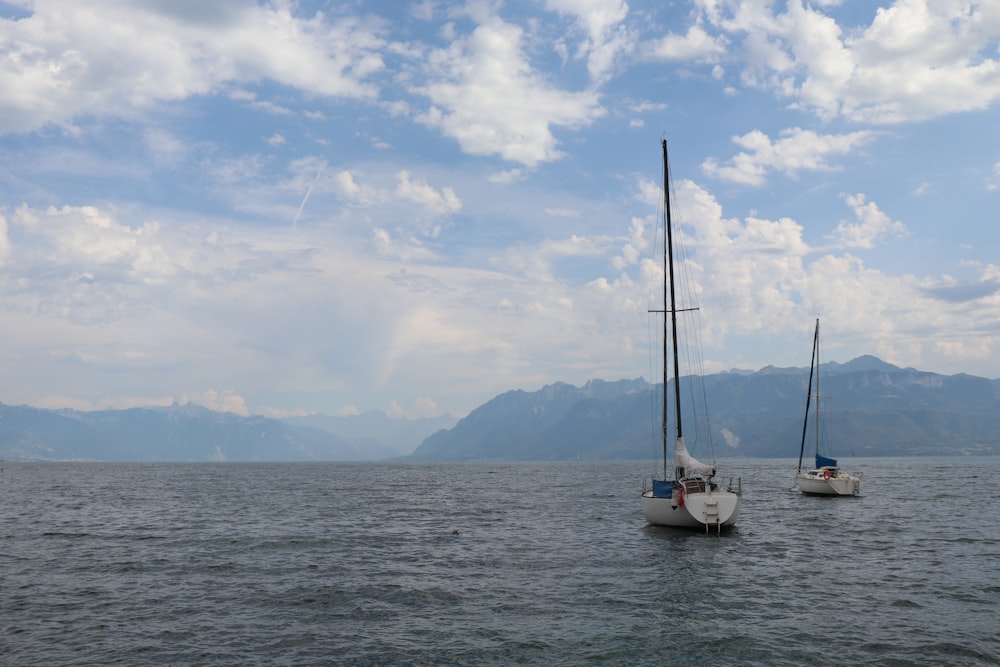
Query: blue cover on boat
x,y
662,489
822,461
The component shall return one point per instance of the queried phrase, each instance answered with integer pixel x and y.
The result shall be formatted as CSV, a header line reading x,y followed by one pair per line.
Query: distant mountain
x,y
376,433
559,421
177,433
871,408
860,364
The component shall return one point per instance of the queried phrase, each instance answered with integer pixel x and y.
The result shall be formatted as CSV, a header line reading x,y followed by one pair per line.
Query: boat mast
x,y
816,345
668,259
805,420
666,227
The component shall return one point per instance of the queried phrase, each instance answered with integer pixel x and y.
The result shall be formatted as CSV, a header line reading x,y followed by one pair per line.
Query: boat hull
x,y
700,510
838,483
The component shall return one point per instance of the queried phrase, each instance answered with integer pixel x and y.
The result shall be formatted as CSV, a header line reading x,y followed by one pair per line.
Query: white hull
x,y
828,482
705,509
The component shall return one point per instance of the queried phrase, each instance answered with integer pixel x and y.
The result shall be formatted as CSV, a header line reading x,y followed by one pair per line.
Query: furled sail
x,y
683,459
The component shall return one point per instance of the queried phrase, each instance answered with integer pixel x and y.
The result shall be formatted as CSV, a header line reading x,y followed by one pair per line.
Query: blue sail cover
x,y
662,489
822,461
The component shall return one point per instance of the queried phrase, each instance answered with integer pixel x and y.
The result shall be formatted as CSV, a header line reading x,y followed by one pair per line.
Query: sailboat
x,y
826,479
690,498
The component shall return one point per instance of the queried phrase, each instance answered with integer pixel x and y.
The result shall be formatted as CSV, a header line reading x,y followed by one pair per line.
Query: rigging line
x,y
652,330
692,336
654,436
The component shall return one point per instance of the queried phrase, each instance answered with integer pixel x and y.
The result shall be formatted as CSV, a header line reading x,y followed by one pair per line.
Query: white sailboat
x,y
826,479
691,498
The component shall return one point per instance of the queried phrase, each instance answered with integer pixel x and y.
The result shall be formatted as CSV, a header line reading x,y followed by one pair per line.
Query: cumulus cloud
x,y
696,44
220,401
797,150
436,202
88,241
57,65
485,95
916,60
606,39
872,224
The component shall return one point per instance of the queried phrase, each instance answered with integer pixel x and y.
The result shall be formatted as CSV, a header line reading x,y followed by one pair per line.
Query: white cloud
x,y
562,212
607,39
486,96
873,224
994,182
797,150
916,60
696,44
59,63
400,246
167,149
506,177
436,202
85,241
220,401
4,241
635,247
646,106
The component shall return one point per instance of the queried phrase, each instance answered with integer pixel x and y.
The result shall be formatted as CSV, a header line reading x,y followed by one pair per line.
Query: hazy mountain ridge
x,y
873,408
187,432
870,408
375,433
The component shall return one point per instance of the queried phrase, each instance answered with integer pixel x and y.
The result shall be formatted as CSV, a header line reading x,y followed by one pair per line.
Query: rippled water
x,y
491,563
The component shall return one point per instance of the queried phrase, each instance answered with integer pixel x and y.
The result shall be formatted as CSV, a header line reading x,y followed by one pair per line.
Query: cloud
x,y
485,95
435,202
994,182
166,149
220,401
607,39
85,244
797,150
4,241
506,177
694,45
406,248
872,226
917,59
635,247
58,63
953,291
562,212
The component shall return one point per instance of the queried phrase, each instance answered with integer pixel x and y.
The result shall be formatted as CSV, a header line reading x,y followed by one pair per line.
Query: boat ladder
x,y
712,515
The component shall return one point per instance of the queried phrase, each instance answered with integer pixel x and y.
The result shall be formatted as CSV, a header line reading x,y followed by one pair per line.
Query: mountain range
x,y
193,433
870,408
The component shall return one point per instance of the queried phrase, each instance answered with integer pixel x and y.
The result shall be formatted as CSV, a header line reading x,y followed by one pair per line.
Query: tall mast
x,y
813,365
668,258
816,346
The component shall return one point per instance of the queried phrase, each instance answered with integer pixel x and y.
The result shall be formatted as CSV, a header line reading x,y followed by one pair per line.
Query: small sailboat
x,y
691,498
826,479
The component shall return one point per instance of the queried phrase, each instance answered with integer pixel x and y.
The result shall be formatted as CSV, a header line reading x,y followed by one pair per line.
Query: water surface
x,y
492,563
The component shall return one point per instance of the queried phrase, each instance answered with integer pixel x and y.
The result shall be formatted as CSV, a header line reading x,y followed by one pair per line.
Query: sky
x,y
284,208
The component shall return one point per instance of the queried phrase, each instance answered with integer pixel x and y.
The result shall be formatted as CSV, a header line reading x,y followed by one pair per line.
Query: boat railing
x,y
739,485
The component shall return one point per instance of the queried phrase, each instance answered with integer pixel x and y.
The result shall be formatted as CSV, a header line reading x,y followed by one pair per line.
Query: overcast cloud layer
x,y
292,207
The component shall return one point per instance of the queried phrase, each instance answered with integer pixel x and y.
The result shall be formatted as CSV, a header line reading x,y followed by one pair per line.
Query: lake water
x,y
492,564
